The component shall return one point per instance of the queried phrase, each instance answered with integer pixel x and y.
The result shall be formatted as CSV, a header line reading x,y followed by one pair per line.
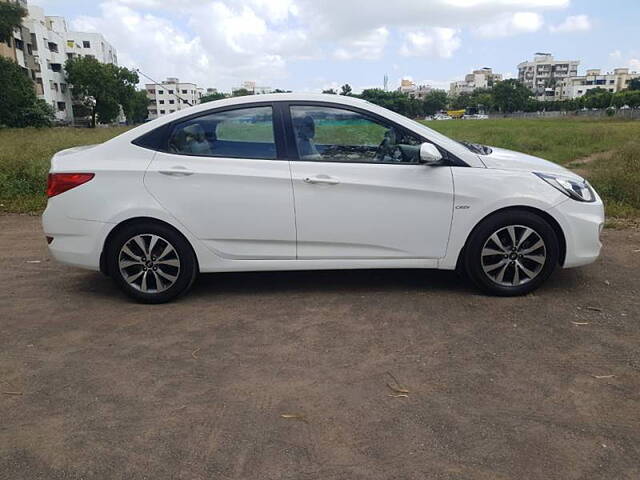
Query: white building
x,y
43,48
482,78
253,88
544,73
171,95
575,87
409,88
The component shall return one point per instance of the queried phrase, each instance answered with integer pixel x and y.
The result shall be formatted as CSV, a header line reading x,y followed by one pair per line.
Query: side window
x,y
239,133
329,134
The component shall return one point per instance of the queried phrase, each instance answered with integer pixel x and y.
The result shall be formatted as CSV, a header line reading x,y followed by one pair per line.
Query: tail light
x,y
58,183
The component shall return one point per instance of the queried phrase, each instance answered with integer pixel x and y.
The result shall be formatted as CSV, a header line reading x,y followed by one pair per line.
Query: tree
x,y
510,95
279,90
434,101
137,111
11,15
345,89
212,97
634,84
19,106
241,92
330,91
109,85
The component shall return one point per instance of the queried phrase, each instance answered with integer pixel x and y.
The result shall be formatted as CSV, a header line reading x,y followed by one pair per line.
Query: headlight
x,y
577,189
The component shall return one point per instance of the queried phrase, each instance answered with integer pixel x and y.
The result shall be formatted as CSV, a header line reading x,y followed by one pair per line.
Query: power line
x,y
164,87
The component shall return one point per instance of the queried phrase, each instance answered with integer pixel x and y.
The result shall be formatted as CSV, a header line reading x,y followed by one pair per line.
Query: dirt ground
x,y
94,386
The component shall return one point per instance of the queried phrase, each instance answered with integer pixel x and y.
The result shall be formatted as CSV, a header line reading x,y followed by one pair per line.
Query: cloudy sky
x,y
308,45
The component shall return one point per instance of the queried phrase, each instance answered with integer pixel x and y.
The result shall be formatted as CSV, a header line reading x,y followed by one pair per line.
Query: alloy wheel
x,y
513,255
149,263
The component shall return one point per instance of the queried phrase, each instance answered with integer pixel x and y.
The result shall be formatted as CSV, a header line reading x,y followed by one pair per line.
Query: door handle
x,y
177,171
322,179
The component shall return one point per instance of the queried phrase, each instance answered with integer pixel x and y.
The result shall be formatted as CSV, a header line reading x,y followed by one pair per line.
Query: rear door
x,y
223,175
360,191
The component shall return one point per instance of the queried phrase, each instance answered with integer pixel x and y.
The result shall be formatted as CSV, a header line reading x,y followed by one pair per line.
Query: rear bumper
x,y
582,224
75,242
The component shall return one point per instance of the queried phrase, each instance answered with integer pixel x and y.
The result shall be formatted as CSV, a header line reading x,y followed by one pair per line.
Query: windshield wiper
x,y
477,148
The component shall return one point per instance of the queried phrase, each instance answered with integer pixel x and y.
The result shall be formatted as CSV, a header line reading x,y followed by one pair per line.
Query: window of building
x,y
69,56
238,133
161,102
53,47
329,134
63,87
184,91
160,92
90,56
19,44
62,106
170,92
171,111
151,91
171,102
86,44
162,112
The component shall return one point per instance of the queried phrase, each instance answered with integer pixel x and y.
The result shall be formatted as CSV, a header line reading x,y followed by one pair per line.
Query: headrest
x,y
304,126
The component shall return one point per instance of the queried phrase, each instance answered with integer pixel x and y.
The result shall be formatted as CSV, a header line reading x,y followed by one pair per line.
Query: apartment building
x,y
409,88
544,73
482,78
575,87
42,45
172,95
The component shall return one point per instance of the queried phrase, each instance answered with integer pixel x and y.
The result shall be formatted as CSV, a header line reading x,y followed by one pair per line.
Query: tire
x,y
500,266
151,275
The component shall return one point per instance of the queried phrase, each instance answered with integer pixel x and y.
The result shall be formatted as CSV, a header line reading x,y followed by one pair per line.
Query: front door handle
x,y
177,171
323,179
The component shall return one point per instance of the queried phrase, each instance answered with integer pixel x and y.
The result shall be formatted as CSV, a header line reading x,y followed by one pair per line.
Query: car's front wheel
x,y
511,253
151,262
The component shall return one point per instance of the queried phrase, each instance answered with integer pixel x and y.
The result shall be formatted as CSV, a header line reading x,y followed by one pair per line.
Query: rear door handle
x,y
322,179
177,171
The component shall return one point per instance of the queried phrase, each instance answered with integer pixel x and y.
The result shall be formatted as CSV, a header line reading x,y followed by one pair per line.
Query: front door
x,y
222,177
360,191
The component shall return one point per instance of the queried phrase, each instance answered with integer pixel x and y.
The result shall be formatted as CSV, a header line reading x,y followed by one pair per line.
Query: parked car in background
x,y
441,116
305,182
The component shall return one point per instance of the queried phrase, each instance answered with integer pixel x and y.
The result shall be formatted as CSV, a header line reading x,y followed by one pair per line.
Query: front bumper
x,y
582,224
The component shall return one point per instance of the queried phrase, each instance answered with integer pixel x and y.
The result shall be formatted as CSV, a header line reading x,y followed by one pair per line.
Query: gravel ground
x,y
94,386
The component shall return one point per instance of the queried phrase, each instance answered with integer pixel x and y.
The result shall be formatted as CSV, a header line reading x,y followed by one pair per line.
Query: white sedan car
x,y
304,182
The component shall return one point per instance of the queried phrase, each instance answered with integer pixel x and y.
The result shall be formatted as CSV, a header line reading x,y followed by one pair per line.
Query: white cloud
x,y
432,42
368,47
511,24
222,42
574,23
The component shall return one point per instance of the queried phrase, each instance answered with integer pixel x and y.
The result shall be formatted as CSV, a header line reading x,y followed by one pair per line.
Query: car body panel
x,y
239,208
374,211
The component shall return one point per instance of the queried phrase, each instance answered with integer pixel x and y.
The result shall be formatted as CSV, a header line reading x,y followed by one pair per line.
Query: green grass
x,y
24,161
25,153
560,140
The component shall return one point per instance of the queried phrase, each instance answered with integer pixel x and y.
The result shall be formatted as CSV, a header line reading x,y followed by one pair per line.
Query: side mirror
x,y
429,154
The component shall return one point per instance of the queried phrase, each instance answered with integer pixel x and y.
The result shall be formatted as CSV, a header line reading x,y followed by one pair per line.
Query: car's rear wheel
x,y
511,253
151,262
